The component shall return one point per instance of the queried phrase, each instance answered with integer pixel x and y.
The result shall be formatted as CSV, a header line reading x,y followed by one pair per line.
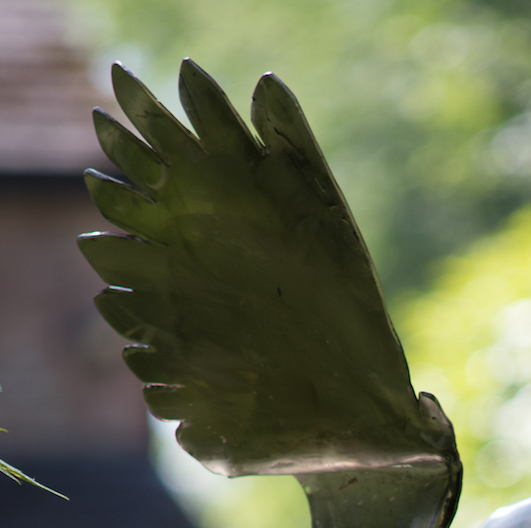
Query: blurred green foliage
x,y
416,104
423,110
469,341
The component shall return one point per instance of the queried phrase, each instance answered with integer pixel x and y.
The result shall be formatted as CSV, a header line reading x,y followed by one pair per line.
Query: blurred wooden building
x,y
74,412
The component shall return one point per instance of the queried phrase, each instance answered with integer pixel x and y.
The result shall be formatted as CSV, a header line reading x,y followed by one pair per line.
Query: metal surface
x,y
256,310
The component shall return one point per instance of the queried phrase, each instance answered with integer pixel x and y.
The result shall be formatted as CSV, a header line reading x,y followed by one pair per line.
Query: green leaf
x,y
18,476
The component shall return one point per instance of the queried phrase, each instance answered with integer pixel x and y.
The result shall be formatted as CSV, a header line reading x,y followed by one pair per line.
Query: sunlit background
x,y
423,110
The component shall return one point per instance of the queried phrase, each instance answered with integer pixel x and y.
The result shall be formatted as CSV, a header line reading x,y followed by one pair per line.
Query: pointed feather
x,y
156,124
302,185
145,318
175,402
126,207
127,261
278,118
150,366
131,155
280,121
213,117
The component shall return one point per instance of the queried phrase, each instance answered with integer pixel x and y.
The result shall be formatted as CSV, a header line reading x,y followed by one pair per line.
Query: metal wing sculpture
x,y
258,318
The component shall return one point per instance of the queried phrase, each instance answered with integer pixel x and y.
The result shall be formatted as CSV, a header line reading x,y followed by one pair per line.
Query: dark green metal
x,y
257,315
